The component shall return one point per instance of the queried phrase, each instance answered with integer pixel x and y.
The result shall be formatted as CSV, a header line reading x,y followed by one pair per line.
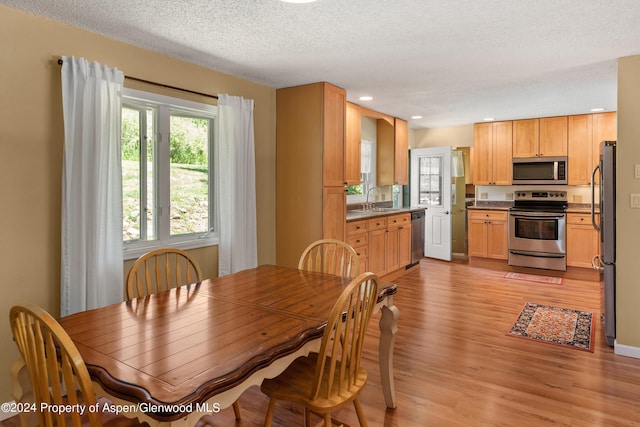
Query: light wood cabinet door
x,y
378,251
477,238
404,245
582,240
334,212
482,154
497,239
604,129
553,136
352,144
579,149
401,152
333,147
502,153
526,138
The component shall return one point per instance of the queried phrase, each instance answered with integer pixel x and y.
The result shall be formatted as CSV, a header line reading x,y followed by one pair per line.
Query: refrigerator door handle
x,y
593,198
596,263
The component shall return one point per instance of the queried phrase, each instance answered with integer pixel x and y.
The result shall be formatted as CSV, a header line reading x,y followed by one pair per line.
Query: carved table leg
x,y
388,330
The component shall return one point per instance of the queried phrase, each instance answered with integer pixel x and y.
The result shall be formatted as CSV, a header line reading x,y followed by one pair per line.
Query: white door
x,y
431,188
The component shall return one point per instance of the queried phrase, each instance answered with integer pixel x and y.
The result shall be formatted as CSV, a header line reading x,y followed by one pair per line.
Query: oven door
x,y
535,231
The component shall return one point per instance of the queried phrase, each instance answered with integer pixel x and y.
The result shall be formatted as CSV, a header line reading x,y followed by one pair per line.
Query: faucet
x,y
369,191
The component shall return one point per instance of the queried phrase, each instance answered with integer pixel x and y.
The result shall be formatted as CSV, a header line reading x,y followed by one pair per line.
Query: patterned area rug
x,y
534,278
553,325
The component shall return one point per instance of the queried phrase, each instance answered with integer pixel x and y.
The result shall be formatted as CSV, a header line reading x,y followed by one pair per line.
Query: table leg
x,y
388,329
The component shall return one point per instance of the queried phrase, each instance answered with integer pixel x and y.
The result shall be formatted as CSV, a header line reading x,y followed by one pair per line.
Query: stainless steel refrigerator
x,y
605,261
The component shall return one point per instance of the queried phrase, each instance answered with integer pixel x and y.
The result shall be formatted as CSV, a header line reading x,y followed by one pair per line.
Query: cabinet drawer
x,y
377,223
488,215
584,219
358,240
363,252
355,227
394,221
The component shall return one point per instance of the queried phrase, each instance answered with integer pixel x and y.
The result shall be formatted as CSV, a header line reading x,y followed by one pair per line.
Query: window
x,y
167,173
357,193
430,181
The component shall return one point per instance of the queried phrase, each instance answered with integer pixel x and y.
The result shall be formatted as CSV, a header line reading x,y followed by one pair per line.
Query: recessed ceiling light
x,y
594,110
416,117
366,98
488,119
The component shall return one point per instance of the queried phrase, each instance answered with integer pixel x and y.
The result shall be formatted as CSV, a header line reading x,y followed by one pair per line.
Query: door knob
x,y
446,212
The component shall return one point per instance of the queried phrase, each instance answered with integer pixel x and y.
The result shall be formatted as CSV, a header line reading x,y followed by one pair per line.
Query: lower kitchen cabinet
x,y
383,244
488,234
582,240
378,244
399,241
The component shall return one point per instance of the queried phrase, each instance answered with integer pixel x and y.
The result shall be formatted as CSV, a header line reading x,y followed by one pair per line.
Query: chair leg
x,y
327,420
270,409
360,412
236,409
307,417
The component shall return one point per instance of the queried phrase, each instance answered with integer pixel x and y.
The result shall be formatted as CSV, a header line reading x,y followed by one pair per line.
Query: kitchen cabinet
x,y
604,129
378,243
544,137
392,151
310,177
579,148
358,239
352,144
492,153
399,241
582,240
526,138
585,133
488,233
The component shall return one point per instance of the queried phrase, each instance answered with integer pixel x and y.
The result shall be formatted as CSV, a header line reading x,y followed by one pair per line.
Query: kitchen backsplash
x,y
576,194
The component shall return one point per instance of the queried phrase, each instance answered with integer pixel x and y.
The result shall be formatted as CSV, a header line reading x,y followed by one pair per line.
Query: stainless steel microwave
x,y
540,170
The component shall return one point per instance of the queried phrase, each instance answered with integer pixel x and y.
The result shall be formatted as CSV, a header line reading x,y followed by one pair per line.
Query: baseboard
x,y
626,350
6,415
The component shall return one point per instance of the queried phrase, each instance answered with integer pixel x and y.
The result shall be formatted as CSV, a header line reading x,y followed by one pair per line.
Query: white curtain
x,y
92,266
238,248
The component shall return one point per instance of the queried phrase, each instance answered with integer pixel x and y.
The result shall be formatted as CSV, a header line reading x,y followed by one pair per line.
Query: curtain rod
x,y
163,85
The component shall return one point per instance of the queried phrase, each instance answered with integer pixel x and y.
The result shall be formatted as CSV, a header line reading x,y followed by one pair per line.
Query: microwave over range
x,y
540,170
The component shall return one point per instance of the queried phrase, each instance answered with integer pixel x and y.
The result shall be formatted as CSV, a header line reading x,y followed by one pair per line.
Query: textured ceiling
x,y
451,61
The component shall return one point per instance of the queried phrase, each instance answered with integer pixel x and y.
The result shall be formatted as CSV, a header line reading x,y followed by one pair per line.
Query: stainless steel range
x,y
537,224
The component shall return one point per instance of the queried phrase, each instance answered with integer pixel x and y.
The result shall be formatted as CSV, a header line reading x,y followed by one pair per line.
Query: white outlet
x,y
508,196
635,201
637,171
484,195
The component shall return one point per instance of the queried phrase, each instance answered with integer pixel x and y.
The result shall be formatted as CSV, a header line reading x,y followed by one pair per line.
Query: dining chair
x,y
163,269
330,256
160,270
325,381
57,372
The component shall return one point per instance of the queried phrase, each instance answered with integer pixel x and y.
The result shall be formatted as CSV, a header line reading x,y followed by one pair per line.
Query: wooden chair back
x,y
330,256
160,270
342,342
56,369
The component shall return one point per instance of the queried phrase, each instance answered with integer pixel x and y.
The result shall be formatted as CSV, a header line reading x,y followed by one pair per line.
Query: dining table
x,y
171,357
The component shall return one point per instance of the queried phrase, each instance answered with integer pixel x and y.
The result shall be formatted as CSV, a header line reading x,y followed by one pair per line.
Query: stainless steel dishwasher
x,y
417,237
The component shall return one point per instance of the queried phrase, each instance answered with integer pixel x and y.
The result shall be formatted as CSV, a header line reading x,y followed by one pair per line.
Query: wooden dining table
x,y
171,357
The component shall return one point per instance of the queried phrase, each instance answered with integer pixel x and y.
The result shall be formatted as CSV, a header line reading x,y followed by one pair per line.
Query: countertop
x,y
356,214
581,208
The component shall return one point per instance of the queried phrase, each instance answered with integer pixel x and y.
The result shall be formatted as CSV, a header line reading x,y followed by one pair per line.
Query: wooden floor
x,y
454,365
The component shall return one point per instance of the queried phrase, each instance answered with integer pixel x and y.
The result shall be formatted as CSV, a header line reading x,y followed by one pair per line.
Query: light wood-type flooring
x,y
455,365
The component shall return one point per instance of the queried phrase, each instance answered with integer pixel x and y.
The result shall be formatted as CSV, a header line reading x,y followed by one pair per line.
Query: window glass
x,y
167,174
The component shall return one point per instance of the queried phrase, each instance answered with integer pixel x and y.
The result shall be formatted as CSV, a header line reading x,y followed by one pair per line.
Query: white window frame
x,y
165,105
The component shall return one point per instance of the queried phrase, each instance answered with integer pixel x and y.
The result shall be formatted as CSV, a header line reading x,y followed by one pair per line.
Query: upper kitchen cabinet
x,y
491,154
604,129
526,138
580,131
352,144
545,137
402,152
585,133
310,173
